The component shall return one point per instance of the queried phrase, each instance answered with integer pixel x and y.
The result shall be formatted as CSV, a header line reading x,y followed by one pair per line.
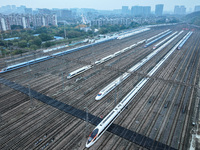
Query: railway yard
x,y
165,110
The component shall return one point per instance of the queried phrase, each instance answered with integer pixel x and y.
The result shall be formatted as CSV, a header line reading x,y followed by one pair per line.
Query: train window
x,y
99,94
93,135
4,69
9,68
80,71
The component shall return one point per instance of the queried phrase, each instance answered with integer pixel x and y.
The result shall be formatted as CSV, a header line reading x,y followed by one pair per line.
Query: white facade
x,y
3,24
24,22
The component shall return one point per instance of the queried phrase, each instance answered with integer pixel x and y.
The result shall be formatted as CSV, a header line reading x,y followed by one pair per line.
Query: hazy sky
x,y
100,4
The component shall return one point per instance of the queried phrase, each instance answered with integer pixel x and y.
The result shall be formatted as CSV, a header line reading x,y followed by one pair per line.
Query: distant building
x,y
179,10
26,21
14,7
146,10
183,10
3,24
116,21
44,11
140,10
125,10
197,8
159,10
117,11
21,9
28,11
136,10
66,14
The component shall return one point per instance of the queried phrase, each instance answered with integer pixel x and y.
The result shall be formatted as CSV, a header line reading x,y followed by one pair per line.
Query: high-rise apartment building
x,y
26,21
146,10
179,10
28,11
140,10
66,14
197,8
117,21
159,10
125,10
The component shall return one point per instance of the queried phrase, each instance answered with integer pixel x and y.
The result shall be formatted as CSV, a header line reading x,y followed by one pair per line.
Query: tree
x,y
15,44
14,27
45,37
103,31
162,20
47,44
17,52
37,41
30,42
2,43
134,24
73,34
25,36
22,43
40,30
34,47
31,24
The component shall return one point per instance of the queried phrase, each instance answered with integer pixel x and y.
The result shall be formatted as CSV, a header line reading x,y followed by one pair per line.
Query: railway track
x,y
52,84
141,94
124,41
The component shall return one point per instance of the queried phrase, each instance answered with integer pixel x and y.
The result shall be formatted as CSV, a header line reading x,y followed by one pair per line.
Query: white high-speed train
x,y
110,118
44,58
161,42
183,42
77,72
133,33
112,85
83,69
157,35
116,82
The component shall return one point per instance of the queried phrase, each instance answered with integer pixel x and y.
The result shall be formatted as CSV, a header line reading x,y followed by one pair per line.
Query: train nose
x,y
89,142
97,98
87,145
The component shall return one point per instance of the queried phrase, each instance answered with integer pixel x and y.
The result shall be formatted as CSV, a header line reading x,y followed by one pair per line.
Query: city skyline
x,y
100,5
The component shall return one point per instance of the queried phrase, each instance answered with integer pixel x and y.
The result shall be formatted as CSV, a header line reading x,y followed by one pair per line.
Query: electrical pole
x,y
86,123
63,86
115,95
64,30
30,96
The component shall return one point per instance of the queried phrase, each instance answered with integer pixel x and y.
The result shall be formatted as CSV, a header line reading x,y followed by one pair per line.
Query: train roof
x,y
115,82
16,65
85,67
26,62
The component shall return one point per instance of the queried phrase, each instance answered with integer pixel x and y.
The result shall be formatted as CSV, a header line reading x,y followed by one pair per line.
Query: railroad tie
x,y
127,134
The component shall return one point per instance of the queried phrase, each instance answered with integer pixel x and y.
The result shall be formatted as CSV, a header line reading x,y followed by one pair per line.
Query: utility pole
x,y
120,86
63,79
86,123
64,30
29,88
30,96
63,86
115,95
